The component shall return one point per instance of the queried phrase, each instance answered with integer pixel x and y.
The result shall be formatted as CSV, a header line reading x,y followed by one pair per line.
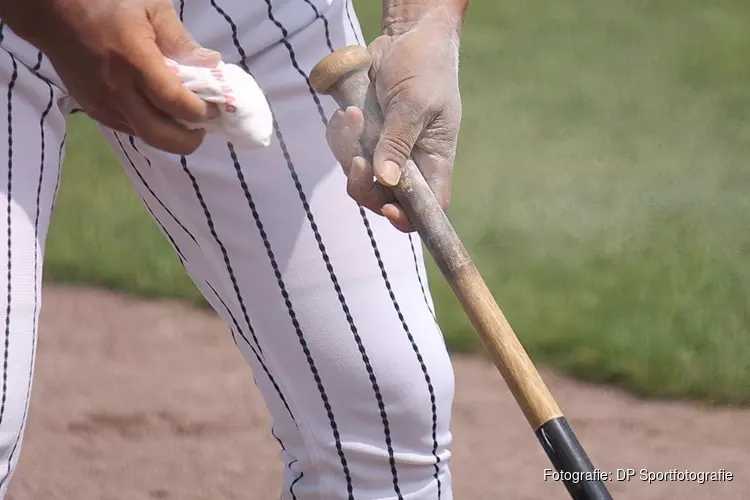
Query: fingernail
x,y
359,163
389,211
390,173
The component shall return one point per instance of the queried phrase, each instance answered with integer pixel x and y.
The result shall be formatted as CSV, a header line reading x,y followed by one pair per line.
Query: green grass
x,y
602,186
100,232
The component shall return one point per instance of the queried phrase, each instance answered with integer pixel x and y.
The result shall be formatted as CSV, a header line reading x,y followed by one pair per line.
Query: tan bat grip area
x,y
344,76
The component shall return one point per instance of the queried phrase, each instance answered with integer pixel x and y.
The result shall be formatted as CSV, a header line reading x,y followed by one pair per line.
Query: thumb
x,y
402,126
176,43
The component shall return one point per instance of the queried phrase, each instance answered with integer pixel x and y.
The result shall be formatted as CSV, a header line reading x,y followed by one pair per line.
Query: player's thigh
x,y
328,302
32,131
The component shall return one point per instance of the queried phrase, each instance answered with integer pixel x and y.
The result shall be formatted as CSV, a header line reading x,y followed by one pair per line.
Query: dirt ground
x,y
119,414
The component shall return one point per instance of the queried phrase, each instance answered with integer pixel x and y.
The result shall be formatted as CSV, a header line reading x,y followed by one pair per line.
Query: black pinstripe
x,y
258,356
300,335
381,266
419,277
288,302
236,326
224,253
325,23
351,23
230,270
228,311
183,261
9,204
59,170
415,348
289,465
39,58
293,57
395,304
296,480
303,342
36,275
329,265
131,139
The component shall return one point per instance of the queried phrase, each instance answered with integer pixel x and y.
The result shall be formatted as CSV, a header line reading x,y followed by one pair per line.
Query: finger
x,y
212,111
109,120
175,42
199,56
402,126
361,187
342,134
397,217
158,82
164,89
377,49
158,130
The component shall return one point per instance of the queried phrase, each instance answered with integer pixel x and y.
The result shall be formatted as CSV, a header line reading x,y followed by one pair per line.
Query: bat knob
x,y
325,76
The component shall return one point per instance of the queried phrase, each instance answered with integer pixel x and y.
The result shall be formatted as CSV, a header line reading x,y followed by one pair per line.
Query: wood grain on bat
x,y
344,76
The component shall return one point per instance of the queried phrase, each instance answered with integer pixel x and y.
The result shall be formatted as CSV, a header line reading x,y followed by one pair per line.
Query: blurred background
x,y
601,185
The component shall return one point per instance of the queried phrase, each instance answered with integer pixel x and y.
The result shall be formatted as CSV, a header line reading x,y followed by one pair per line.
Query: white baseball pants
x,y
327,302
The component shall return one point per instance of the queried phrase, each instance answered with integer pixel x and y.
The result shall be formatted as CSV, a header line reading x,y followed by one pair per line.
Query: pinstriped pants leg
x,y
32,134
326,301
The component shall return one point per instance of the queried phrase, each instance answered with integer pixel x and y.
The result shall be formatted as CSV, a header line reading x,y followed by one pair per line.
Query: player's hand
x,y
110,56
416,80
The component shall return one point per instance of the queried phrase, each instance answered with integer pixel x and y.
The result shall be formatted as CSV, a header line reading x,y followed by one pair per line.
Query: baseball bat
x,y
344,76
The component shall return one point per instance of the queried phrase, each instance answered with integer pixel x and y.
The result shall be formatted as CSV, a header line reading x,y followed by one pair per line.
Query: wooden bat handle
x,y
344,76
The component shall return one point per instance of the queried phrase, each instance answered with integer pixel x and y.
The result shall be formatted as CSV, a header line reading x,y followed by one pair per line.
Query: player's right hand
x,y
110,56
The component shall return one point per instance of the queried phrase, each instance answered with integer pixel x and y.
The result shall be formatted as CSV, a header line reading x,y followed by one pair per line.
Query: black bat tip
x,y
572,465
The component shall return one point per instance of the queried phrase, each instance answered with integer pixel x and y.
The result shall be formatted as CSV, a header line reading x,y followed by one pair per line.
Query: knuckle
x,y
351,190
180,144
373,205
189,144
341,151
445,201
354,190
346,167
360,191
170,92
405,90
187,148
397,145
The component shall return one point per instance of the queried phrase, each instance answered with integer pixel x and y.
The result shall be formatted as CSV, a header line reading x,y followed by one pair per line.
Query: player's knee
x,y
405,437
417,404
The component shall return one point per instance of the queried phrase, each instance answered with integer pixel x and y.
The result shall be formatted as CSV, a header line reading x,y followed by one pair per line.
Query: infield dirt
x,y
120,411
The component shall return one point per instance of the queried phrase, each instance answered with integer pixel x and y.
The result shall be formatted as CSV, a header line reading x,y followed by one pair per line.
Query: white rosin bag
x,y
245,117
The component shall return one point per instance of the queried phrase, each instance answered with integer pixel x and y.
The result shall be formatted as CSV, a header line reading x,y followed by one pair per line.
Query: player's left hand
x,y
415,74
